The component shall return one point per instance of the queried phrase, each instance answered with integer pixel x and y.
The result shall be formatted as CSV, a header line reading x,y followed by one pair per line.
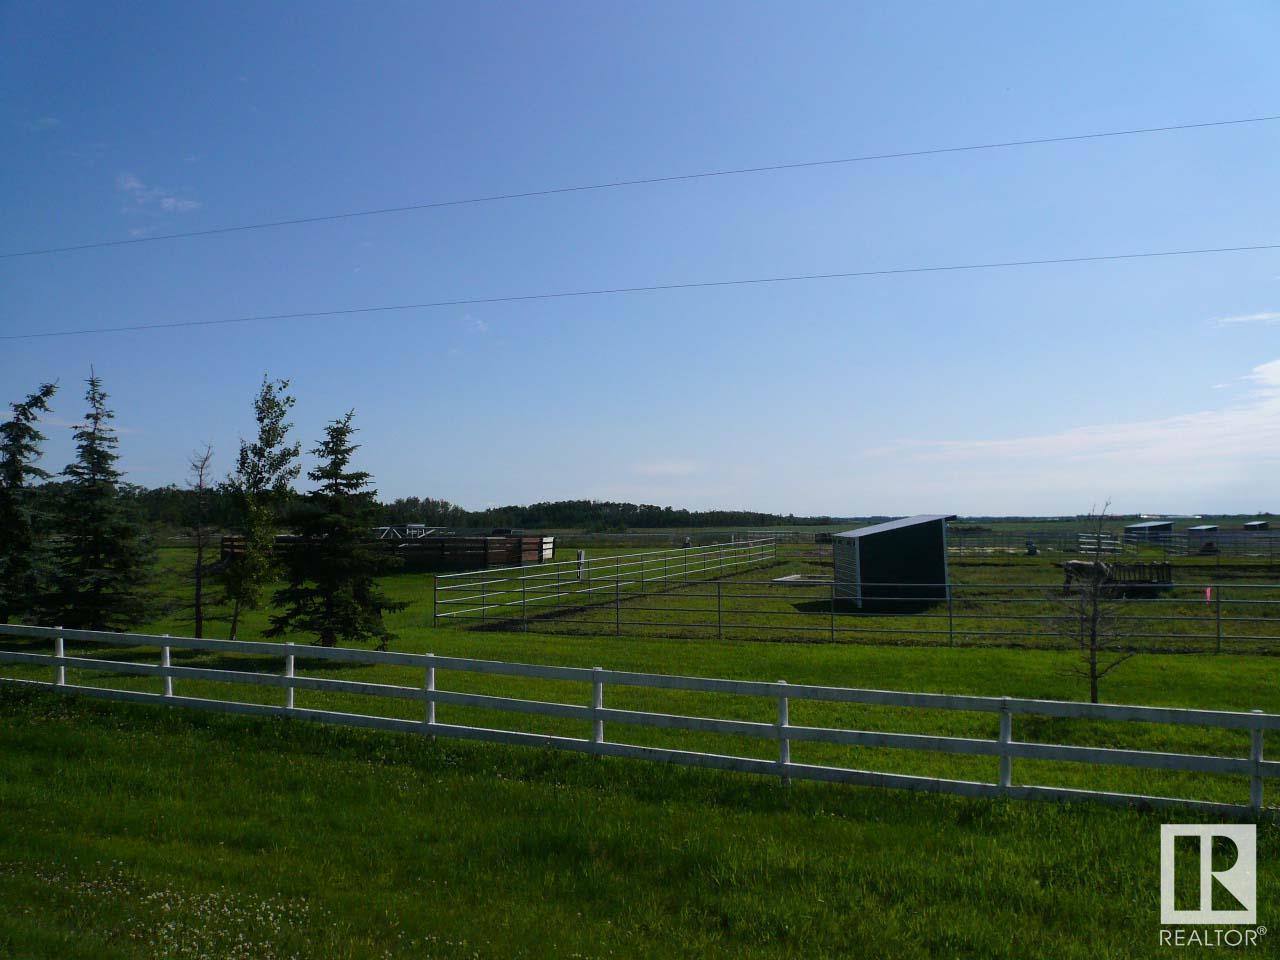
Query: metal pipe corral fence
x,y
649,599
514,592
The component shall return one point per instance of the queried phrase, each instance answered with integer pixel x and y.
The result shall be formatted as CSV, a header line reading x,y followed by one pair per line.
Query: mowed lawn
x,y
137,832
141,833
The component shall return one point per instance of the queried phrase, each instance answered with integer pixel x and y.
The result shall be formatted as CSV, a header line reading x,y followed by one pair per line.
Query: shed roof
x,y
1202,528
897,524
1149,525
1259,524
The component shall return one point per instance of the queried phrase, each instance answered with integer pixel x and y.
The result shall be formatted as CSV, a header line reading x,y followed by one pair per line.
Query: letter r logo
x,y
1240,879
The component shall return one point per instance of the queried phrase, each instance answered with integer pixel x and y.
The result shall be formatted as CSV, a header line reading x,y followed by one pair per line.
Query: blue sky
x,y
1037,390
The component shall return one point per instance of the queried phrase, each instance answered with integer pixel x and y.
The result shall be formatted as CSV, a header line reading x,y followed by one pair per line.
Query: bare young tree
x,y
1089,616
199,481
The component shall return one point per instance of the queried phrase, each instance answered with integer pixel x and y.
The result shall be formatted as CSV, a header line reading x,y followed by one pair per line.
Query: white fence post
x,y
1252,766
597,704
166,663
784,721
1006,735
1255,781
60,651
431,690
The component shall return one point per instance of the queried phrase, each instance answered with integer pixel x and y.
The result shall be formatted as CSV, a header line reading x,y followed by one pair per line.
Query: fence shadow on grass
x,y
647,783
871,608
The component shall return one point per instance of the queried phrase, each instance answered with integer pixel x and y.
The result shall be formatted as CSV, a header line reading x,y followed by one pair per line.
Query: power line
x,y
614,184
651,288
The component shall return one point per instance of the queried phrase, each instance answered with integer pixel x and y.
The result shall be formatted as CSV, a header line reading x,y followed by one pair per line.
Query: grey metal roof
x,y
897,524
1256,523
1203,528
1149,525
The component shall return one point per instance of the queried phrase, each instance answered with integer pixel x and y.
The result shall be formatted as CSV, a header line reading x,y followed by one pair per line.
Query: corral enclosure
x,y
997,598
566,586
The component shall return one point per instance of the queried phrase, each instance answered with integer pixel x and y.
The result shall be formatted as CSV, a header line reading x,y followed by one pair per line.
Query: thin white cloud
x,y
178,204
128,183
44,123
1246,429
1264,317
478,326
144,197
666,468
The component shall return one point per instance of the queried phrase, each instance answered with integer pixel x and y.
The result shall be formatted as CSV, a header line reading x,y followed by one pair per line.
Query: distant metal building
x,y
1156,531
892,565
1257,525
1203,539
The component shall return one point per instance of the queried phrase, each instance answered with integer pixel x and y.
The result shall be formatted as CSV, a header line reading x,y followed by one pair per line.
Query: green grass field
x,y
136,832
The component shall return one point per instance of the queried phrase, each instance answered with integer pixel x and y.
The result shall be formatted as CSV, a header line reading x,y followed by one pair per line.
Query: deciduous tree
x,y
1089,618
260,487
199,482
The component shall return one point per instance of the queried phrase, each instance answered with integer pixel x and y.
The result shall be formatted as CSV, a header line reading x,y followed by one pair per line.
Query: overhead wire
x,y
617,184
647,288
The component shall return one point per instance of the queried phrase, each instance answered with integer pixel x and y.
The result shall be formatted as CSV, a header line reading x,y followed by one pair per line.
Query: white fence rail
x,y
517,592
597,715
1093,543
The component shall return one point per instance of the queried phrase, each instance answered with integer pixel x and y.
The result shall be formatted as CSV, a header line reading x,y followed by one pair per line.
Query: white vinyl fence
x,y
596,715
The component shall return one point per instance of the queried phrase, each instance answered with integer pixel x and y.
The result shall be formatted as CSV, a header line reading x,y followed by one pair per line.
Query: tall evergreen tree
x,y
102,555
260,487
23,559
331,591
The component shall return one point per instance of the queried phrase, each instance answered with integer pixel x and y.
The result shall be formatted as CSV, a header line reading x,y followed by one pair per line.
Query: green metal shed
x,y
893,566
1148,530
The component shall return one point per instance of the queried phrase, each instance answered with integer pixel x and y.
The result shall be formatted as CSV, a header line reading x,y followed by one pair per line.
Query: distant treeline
x,y
596,515
173,506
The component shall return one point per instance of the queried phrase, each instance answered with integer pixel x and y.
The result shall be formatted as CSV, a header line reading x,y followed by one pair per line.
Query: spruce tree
x,y
23,558
260,486
331,590
102,554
